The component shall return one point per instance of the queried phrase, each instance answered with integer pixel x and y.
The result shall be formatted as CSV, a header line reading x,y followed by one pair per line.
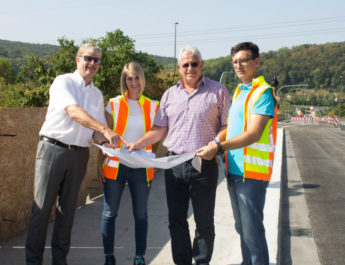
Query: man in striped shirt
x,y
191,113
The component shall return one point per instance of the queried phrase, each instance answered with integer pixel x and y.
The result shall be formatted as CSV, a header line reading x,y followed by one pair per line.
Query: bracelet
x,y
102,143
220,149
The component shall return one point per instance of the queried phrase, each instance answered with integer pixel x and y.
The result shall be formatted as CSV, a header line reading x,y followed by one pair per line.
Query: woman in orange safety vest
x,y
131,116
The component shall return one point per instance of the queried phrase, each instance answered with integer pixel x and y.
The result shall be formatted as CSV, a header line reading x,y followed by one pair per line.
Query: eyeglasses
x,y
89,59
242,61
193,64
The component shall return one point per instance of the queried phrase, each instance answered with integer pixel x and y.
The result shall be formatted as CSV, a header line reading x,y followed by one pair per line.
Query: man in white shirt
x,y
75,115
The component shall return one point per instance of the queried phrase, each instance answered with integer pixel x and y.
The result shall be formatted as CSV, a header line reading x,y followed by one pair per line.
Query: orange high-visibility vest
x,y
120,113
258,157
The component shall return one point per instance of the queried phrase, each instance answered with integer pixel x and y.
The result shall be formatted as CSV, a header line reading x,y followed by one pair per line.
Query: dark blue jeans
x,y
139,190
248,201
183,183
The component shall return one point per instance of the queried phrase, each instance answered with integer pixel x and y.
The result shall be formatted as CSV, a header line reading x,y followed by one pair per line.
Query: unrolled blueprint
x,y
142,159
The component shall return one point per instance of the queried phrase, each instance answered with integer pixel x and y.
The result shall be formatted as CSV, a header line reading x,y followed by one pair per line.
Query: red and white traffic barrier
x,y
304,120
332,121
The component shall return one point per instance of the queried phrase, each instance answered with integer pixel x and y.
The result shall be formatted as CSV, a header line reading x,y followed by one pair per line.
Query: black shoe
x,y
139,260
110,260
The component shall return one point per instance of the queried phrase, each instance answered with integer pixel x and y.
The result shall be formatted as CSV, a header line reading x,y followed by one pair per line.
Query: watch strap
x,y
219,147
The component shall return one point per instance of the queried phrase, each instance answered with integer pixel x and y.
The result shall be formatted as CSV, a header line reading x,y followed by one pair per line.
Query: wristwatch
x,y
102,143
220,149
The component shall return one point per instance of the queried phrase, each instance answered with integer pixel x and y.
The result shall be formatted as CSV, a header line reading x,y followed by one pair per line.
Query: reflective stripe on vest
x,y
258,157
120,113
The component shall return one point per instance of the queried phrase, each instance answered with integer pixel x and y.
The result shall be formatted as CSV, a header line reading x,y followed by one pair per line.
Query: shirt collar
x,y
246,87
80,79
201,83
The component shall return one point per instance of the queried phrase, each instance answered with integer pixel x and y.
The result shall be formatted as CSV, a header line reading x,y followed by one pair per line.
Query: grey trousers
x,y
58,175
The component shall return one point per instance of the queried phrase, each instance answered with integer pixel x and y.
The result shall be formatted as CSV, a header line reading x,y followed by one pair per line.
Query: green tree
x,y
160,83
36,74
117,50
9,96
35,77
6,71
33,70
339,111
34,97
63,60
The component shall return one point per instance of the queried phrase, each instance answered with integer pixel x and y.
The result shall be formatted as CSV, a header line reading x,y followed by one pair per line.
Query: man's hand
x,y
112,137
207,152
152,136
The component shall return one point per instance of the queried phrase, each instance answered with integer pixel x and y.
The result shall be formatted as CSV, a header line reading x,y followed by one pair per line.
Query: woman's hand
x,y
134,146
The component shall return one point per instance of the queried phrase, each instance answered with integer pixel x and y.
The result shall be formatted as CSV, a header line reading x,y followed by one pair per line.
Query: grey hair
x,y
89,47
189,49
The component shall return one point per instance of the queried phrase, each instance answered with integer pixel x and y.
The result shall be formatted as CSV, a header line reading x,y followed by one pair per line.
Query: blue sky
x,y
213,26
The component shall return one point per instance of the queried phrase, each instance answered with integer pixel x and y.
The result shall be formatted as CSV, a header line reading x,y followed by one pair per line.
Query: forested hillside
x,y
319,66
16,51
166,62
32,67
27,84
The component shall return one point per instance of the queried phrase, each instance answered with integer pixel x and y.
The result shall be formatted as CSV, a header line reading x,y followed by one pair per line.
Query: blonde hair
x,y
133,68
89,47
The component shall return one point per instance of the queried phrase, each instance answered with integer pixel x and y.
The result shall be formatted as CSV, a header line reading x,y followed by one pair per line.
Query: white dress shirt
x,y
66,90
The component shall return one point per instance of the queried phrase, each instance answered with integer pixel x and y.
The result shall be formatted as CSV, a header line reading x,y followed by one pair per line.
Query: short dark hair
x,y
246,46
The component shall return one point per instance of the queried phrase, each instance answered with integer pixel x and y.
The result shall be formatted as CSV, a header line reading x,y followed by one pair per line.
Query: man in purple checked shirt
x,y
191,112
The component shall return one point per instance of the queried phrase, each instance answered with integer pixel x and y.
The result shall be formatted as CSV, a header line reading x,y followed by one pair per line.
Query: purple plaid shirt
x,y
192,119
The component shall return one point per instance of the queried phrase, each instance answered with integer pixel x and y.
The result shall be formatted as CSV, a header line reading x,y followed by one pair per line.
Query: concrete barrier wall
x,y
18,144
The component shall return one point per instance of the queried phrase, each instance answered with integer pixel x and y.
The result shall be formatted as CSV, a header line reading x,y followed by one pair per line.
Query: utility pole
x,y
332,92
340,93
175,49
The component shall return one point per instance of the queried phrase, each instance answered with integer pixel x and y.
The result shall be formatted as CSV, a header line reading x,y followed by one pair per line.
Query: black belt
x,y
56,142
212,161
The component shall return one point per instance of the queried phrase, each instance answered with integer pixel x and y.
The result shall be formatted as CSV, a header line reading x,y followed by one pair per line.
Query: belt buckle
x,y
71,146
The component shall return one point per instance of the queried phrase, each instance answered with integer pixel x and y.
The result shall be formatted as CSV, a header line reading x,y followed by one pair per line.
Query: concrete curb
x,y
296,244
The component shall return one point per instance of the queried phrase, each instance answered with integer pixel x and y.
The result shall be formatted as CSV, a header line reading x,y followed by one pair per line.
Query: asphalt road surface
x,y
320,156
